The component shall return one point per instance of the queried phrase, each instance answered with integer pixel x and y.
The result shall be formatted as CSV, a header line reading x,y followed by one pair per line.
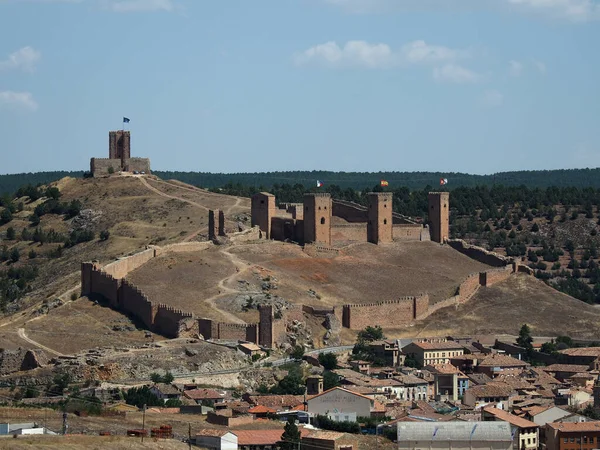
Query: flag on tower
x,y
319,183
125,120
443,181
384,183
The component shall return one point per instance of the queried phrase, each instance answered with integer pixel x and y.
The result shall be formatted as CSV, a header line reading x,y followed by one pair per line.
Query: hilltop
x,y
226,282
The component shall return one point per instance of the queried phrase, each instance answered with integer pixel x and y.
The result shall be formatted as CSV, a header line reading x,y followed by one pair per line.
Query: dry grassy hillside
x,y
504,307
136,211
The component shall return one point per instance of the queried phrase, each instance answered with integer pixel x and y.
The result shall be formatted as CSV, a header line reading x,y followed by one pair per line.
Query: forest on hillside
x,y
355,180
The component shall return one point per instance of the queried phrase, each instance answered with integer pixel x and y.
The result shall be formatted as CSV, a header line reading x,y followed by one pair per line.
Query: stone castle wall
x,y
408,232
133,301
493,276
479,254
99,167
388,314
349,232
122,266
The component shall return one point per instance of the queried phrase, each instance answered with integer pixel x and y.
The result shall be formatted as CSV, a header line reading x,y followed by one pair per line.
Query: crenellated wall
x,y
493,276
171,322
468,287
387,314
105,285
133,301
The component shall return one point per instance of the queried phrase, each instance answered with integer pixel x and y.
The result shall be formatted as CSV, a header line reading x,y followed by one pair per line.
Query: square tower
x,y
439,216
263,209
119,145
379,225
317,218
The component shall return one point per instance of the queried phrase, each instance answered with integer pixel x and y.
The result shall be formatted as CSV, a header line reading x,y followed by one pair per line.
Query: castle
x,y
119,157
324,221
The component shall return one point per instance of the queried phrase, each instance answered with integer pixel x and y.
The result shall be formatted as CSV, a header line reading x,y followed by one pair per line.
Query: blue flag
x,y
125,120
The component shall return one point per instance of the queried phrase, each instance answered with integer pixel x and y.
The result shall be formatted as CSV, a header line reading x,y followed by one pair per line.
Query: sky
x,y
477,86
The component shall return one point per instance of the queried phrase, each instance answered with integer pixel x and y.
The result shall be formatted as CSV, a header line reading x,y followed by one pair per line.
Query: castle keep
x,y
324,221
119,157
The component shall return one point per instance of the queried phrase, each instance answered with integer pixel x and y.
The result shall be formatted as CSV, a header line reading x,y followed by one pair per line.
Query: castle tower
x,y
263,209
119,145
317,218
212,225
314,385
439,216
379,225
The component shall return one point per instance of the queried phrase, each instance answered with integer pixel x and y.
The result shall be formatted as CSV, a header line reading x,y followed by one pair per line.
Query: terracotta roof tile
x,y
571,368
510,418
495,360
575,426
439,345
491,390
213,432
261,409
262,437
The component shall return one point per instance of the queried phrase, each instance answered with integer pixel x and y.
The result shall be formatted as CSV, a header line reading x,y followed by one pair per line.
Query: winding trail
x,y
22,335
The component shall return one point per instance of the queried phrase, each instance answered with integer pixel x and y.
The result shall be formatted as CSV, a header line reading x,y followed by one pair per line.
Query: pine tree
x,y
291,436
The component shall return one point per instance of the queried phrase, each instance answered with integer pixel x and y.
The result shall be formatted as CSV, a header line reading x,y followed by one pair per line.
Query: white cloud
x,y
18,100
453,73
23,59
540,66
141,5
364,54
492,99
516,68
353,53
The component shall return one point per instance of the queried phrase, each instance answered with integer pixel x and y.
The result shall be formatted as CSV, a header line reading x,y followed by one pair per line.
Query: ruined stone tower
x,y
119,145
379,225
263,209
317,218
439,216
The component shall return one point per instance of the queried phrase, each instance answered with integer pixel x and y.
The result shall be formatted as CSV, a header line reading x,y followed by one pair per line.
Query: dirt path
x,y
22,335
224,290
163,194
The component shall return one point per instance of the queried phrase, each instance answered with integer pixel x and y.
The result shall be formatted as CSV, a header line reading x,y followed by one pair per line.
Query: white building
x,y
341,405
217,439
454,435
22,428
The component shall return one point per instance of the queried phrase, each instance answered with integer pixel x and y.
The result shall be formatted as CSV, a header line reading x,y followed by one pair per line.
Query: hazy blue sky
x,y
261,85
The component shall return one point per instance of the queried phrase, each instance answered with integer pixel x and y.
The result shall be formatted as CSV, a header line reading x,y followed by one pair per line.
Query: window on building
x,y
572,439
566,440
385,221
444,355
528,441
585,440
322,220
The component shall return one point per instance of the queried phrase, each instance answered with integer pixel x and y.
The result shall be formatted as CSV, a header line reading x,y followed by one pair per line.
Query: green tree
x,y
142,396
10,234
535,228
168,378
291,384
370,334
525,340
297,353
290,439
329,360
15,255
104,235
173,403
53,193
155,377
330,380
111,170
32,254
5,216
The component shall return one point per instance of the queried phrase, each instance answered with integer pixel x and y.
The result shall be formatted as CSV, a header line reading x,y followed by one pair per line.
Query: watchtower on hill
x,y
119,145
380,223
317,218
439,216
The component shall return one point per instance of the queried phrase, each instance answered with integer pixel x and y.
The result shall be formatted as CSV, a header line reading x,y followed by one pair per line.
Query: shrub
x,y
111,170
535,228
15,255
10,234
5,216
74,296
32,254
104,235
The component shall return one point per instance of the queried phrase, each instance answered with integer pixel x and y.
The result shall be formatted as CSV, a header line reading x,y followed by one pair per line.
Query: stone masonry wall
x,y
171,322
407,232
350,212
100,166
350,232
468,287
479,254
106,286
132,300
389,314
493,276
123,266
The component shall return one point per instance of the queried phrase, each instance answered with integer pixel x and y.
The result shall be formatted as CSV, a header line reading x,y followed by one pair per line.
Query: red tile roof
x,y
575,426
439,345
510,418
213,432
204,394
570,368
261,409
497,360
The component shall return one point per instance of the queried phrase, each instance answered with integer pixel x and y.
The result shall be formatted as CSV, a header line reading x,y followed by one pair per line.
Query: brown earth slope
x,y
506,306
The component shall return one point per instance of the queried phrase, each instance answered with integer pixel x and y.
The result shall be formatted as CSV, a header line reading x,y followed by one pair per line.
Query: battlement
x,y
318,194
119,157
